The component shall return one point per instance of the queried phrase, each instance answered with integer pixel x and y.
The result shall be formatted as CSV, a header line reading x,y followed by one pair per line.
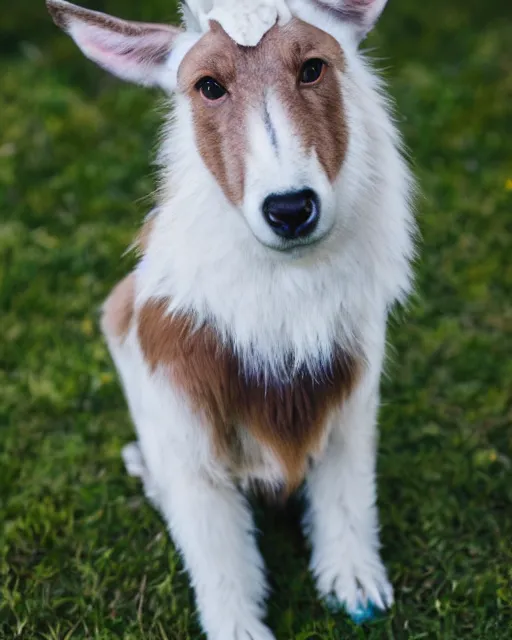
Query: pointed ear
x,y
361,14
135,51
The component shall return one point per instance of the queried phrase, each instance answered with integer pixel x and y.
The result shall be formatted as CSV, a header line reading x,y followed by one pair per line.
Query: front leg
x,y
209,520
342,520
211,524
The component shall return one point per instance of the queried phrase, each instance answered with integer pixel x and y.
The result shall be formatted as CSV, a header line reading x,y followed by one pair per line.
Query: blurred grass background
x,y
81,553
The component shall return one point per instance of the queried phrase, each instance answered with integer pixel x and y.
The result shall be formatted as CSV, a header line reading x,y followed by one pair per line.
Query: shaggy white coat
x,y
213,260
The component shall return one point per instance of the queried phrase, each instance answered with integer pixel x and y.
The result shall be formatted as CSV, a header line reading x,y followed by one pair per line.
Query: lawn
x,y
82,555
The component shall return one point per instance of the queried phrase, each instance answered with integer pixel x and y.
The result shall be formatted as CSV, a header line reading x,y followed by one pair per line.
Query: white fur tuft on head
x,y
245,21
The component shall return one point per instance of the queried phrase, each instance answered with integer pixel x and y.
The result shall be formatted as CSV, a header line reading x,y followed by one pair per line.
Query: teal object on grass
x,y
360,615
364,614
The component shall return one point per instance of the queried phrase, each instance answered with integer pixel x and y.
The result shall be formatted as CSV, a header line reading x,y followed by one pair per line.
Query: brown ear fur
x,y
63,12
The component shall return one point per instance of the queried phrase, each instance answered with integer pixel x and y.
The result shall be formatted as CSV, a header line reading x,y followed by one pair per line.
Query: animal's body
x,y
250,339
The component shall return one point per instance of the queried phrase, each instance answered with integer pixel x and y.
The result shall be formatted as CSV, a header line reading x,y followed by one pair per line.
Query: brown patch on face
x,y
118,309
316,111
287,417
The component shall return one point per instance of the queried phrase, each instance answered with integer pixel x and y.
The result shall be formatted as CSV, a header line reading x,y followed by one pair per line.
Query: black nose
x,y
292,215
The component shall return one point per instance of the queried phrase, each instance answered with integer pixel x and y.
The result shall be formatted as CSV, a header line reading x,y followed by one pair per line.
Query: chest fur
x,y
287,416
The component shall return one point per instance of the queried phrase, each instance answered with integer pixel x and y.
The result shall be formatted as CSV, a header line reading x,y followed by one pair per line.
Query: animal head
x,y
271,123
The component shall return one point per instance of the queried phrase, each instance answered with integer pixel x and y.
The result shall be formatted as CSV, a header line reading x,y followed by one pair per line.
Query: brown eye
x,y
210,88
312,70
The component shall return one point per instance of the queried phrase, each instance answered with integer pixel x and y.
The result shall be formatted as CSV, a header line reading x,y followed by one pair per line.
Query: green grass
x,y
81,553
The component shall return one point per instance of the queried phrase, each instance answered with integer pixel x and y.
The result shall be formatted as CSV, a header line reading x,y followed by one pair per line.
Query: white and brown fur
x,y
246,359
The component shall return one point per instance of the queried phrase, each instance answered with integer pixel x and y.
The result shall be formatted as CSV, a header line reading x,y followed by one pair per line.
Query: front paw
x,y
353,578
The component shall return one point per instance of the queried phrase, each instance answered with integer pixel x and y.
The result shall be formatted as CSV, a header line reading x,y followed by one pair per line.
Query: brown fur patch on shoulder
x,y
118,308
289,417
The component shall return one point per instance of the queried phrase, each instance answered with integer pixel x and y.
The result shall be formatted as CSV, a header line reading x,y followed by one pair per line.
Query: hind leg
x,y
136,467
117,320
133,461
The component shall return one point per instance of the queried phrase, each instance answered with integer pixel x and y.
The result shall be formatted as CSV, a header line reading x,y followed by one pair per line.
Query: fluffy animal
x,y
250,338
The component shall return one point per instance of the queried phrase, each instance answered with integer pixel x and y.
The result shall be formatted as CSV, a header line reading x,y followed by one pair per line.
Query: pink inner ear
x,y
372,8
363,14
135,55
